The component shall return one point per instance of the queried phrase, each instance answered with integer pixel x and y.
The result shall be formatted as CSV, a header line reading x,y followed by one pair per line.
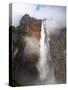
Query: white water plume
x,y
42,64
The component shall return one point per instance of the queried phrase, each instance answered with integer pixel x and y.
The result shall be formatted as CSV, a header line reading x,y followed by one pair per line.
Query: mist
x,y
54,19
32,45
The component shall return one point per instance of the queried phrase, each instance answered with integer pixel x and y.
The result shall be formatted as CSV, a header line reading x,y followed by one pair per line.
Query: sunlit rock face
x,y
32,28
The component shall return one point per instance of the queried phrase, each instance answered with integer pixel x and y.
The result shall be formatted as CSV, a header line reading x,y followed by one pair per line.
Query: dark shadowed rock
x,y
58,53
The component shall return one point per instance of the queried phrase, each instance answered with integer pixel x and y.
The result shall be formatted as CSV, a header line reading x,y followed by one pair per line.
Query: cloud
x,y
54,18
57,13
18,10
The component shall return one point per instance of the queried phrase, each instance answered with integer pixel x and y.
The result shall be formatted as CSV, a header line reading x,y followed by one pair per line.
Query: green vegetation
x,y
17,37
15,83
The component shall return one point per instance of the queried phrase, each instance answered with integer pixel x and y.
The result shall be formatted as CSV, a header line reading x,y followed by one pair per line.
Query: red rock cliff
x,y
32,26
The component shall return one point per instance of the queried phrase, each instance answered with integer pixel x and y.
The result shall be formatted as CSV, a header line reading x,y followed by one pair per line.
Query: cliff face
x,y
32,29
57,45
58,53
32,26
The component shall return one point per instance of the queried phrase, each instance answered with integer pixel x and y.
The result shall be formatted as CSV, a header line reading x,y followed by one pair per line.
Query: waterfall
x,y
42,46
42,64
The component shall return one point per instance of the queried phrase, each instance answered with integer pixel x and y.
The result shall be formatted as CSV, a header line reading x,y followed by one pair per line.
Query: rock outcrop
x,y
32,26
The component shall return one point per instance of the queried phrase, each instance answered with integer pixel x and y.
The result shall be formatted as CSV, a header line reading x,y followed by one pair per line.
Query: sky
x,y
57,13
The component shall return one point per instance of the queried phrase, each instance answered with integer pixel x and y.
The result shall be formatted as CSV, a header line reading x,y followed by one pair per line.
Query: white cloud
x,y
57,13
19,10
